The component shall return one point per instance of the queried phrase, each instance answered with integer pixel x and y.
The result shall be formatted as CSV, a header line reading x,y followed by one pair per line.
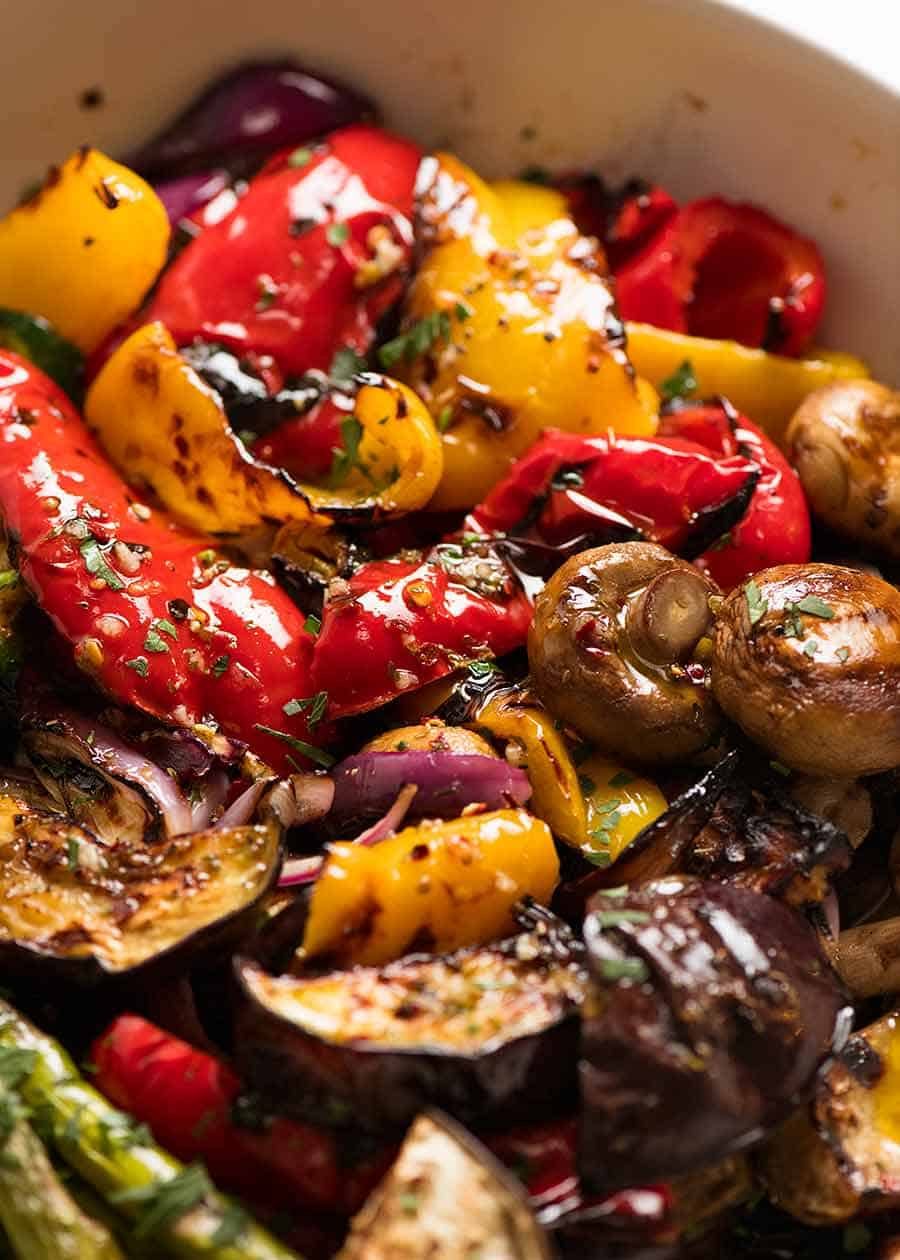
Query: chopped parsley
x,y
346,457
337,234
461,311
624,969
810,647
95,563
313,706
72,848
220,664
842,653
153,641
345,365
680,384
164,627
8,577
444,419
313,624
229,1229
317,755
15,1065
757,606
597,857
614,918
621,779
165,1202
815,607
481,669
409,1200
300,157
140,665
417,339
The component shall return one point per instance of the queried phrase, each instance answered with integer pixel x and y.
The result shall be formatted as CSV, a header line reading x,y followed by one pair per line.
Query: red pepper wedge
x,y
569,485
776,526
186,1097
305,445
728,270
622,221
396,625
307,261
150,611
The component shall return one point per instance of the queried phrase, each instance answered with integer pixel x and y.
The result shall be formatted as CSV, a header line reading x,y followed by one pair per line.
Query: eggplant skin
x,y
708,1012
489,1034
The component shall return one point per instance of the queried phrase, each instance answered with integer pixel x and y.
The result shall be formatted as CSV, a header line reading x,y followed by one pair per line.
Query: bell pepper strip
x,y
440,886
721,269
776,527
151,613
766,387
109,234
307,261
395,625
163,427
192,1103
508,331
667,489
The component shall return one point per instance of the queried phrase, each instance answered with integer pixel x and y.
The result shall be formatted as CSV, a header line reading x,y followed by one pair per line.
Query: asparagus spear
x,y
41,1219
175,1205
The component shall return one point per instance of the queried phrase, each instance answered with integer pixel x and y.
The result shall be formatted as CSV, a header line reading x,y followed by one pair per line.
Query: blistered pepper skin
x,y
307,261
150,612
397,625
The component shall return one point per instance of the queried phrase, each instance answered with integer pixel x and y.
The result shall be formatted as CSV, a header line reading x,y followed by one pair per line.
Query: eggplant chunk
x,y
485,1033
840,1155
708,1011
87,910
446,1196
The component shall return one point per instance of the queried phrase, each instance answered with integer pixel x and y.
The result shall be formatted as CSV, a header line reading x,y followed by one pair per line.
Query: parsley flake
x,y
165,1202
810,647
345,365
346,457
314,706
153,642
680,384
16,1064
624,969
164,626
300,157
317,755
444,419
757,606
842,653
140,665
8,577
417,339
95,563
815,607
220,664
72,848
229,1229
614,918
587,785
481,669
621,779
337,234
313,624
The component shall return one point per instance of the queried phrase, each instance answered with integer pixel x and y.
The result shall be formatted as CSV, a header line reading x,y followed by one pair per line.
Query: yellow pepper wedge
x,y
85,249
438,886
164,427
522,331
767,388
541,751
619,804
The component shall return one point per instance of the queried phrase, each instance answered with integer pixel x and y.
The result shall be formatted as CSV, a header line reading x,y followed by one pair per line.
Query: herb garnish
x,y
96,565
313,624
300,157
165,1202
314,706
346,457
15,1065
621,779
8,577
318,755
757,606
140,665
220,664
623,969
815,607
614,918
337,234
444,419
417,340
680,384
345,365
153,642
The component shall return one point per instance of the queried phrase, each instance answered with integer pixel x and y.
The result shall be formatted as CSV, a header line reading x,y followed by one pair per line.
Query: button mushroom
x,y
844,441
806,659
613,651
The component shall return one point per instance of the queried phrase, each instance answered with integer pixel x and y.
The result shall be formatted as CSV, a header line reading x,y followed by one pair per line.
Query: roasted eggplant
x,y
82,910
485,1032
840,1155
446,1196
708,1011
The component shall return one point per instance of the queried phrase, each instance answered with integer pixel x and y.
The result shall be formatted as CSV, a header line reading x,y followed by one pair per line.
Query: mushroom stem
x,y
669,616
868,958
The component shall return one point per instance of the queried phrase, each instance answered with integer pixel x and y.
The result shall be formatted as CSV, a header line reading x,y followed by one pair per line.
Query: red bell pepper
x,y
667,489
307,261
721,269
622,221
187,1098
776,527
151,612
305,445
398,624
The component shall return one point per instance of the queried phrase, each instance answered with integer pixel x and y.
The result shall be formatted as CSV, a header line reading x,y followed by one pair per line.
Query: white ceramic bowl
x,y
698,95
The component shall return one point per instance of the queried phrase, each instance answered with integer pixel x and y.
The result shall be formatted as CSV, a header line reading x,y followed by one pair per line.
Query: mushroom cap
x,y
806,660
844,441
588,671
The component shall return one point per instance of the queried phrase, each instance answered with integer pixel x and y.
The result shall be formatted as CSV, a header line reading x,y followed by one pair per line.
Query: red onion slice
x,y
447,782
182,196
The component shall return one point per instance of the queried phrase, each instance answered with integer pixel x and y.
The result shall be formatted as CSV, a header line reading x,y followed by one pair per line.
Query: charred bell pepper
x,y
151,612
720,269
396,625
775,529
624,219
192,1104
599,489
767,387
309,259
510,326
438,886
84,250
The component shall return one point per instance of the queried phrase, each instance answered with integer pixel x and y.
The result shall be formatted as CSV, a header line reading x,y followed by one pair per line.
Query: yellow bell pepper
x,y
164,427
619,804
510,329
438,886
84,250
534,743
767,388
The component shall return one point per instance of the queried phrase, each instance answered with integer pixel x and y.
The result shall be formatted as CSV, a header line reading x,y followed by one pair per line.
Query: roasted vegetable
x,y
110,233
612,651
868,957
509,328
708,1012
840,1155
32,337
87,911
765,387
485,1032
806,659
436,886
446,1196
174,1205
844,441
39,1216
150,613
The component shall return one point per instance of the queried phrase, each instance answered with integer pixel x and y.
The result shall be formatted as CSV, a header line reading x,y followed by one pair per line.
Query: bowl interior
x,y
689,92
